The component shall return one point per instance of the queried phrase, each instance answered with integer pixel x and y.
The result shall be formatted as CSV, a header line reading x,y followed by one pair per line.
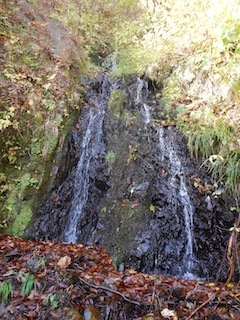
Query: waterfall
x,y
178,181
141,95
163,226
177,176
91,147
141,91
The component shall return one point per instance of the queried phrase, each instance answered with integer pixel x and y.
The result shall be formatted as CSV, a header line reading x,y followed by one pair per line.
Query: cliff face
x,y
127,183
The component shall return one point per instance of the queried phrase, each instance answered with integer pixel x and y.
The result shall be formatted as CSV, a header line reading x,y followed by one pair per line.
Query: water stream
x,y
178,183
91,151
90,148
177,175
112,208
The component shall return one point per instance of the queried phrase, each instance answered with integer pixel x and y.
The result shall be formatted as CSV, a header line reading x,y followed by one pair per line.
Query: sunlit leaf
x,y
64,262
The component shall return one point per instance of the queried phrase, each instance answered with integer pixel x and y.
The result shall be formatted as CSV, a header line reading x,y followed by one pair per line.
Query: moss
x,y
22,220
116,103
124,223
17,209
44,105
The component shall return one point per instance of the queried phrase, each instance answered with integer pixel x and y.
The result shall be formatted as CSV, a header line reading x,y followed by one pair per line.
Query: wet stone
x,y
109,202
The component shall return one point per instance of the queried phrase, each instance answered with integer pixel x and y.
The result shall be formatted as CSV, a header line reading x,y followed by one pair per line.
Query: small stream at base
x,y
110,207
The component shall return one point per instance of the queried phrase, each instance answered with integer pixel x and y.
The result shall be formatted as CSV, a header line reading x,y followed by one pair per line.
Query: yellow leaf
x,y
149,316
52,76
47,86
211,284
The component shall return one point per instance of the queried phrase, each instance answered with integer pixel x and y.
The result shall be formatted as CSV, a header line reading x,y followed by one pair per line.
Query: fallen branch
x,y
212,296
98,287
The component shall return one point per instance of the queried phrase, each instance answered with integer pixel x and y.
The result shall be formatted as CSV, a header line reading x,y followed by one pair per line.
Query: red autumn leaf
x,y
55,199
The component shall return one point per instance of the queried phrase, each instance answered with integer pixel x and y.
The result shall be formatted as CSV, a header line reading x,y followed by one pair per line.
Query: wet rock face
x,y
143,204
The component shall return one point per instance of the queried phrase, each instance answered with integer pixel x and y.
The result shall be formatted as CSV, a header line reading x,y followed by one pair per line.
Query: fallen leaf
x,y
64,262
166,313
92,313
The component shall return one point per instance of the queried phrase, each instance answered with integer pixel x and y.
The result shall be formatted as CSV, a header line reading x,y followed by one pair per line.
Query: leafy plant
x,y
231,36
5,291
41,262
28,283
52,300
128,118
104,210
132,154
110,158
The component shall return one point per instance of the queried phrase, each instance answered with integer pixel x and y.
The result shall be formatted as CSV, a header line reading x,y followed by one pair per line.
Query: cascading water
x,y
141,94
113,208
167,150
90,148
178,180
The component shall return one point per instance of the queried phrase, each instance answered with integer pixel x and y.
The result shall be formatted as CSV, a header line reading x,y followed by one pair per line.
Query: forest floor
x,y
49,280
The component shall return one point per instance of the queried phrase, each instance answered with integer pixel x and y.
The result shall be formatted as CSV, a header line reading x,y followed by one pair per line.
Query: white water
x,y
177,180
141,96
141,85
90,146
167,149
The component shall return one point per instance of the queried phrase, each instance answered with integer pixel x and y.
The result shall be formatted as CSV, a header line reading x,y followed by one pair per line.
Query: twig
x,y
98,287
154,289
212,296
232,244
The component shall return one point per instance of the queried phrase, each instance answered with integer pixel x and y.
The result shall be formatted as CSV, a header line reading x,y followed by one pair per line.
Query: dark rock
x,y
152,167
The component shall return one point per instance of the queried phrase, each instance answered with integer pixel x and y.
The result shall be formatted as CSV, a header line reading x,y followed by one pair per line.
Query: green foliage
x,y
104,210
110,158
52,300
203,89
152,208
128,118
213,139
38,95
116,103
5,291
231,37
28,283
96,22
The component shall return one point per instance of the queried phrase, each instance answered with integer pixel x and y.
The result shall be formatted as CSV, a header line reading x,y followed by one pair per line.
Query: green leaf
x,y
28,284
5,291
152,208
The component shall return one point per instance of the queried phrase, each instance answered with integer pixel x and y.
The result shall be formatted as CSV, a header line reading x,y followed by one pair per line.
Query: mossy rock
x,y
116,103
124,222
22,220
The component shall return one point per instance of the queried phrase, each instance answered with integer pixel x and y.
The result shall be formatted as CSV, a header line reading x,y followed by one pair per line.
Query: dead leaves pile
x,y
70,280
